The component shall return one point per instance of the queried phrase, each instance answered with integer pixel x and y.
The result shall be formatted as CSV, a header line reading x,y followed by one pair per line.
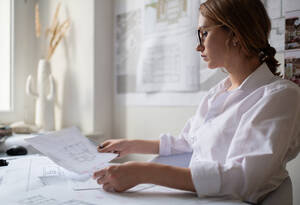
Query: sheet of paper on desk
x,y
35,172
14,177
71,150
91,184
30,173
52,195
39,181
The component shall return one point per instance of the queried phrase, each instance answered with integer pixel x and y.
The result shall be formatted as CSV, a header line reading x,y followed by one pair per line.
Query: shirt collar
x,y
261,76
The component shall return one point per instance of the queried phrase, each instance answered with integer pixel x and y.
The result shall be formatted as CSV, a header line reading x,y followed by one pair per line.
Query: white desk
x,y
63,189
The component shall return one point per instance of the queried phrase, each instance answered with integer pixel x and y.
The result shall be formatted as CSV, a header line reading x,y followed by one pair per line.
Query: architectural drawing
x,y
43,200
155,70
79,152
75,202
169,11
169,62
162,16
127,41
38,200
50,171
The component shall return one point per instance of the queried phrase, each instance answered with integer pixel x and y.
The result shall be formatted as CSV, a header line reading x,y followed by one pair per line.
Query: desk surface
x,y
24,176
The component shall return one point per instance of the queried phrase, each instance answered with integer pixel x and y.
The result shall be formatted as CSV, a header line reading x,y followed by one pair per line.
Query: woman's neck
x,y
240,70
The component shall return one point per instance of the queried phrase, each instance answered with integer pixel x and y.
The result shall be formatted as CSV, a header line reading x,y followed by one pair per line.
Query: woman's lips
x,y
204,57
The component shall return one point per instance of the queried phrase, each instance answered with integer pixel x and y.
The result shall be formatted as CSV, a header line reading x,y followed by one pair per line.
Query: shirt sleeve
x,y
180,144
260,147
174,145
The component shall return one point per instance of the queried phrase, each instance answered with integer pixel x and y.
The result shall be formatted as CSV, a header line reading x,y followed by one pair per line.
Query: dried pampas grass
x,y
55,33
37,22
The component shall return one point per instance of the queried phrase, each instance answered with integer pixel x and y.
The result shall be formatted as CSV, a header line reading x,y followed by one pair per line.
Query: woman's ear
x,y
235,42
232,40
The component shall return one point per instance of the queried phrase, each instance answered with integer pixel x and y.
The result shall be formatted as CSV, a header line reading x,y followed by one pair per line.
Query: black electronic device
x,y
3,163
16,150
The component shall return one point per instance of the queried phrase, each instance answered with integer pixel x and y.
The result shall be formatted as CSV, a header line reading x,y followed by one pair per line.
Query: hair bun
x,y
267,53
269,50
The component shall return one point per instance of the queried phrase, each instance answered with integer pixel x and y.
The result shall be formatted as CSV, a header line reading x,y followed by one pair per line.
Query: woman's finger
x,y
108,187
102,180
104,144
117,152
99,174
108,148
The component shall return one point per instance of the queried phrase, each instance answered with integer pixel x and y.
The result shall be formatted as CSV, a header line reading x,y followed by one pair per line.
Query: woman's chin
x,y
211,66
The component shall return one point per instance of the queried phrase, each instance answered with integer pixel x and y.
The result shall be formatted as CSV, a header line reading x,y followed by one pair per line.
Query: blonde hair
x,y
248,22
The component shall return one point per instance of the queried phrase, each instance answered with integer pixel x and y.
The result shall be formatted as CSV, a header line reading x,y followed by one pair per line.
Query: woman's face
x,y
213,49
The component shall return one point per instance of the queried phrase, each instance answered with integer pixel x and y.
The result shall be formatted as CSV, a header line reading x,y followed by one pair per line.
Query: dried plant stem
x,y
56,31
55,18
57,36
37,21
64,26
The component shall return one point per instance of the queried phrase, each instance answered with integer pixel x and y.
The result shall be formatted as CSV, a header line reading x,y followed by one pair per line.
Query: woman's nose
x,y
200,48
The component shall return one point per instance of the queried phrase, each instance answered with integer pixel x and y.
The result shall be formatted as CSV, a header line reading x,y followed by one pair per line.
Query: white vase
x,y
44,112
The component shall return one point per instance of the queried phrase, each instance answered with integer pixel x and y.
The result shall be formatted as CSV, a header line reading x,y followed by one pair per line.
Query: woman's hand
x,y
119,178
122,147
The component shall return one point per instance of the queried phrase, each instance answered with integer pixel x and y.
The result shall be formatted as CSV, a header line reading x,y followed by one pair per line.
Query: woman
x,y
245,129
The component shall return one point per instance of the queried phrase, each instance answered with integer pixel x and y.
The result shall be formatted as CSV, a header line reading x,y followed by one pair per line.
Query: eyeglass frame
x,y
201,39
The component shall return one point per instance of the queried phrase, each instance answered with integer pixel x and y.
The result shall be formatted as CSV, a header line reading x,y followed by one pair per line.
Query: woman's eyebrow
x,y
202,27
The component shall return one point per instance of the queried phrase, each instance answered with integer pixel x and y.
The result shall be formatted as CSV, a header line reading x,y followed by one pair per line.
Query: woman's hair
x,y
248,22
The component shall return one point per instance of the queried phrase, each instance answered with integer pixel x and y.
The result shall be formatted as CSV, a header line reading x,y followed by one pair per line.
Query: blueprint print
x,y
43,200
71,150
165,15
79,152
155,70
160,66
38,200
169,61
127,41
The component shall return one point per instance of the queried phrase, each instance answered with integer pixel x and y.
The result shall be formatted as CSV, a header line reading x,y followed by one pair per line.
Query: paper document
x,y
49,196
91,184
71,150
85,185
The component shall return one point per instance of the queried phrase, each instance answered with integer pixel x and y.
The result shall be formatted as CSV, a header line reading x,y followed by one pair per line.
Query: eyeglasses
x,y
203,32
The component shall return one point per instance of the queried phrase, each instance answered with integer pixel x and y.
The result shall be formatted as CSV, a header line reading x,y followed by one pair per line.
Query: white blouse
x,y
242,139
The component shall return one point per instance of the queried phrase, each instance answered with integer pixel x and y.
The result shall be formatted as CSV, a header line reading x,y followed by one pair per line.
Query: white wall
x,y
81,65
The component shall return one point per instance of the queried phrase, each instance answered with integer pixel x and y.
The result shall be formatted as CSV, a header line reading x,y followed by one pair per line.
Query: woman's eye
x,y
205,33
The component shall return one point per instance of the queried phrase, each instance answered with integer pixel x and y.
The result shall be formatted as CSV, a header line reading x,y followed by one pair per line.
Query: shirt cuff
x,y
165,144
206,177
